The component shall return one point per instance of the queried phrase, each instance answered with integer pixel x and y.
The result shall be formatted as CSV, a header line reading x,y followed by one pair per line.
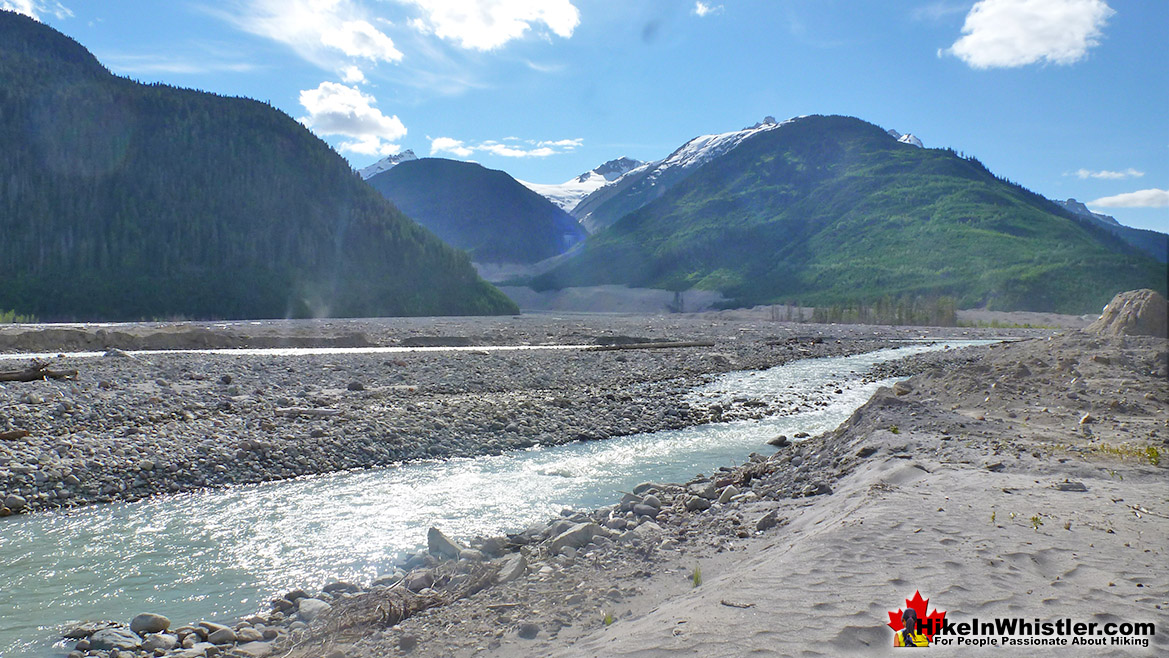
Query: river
x,y
219,555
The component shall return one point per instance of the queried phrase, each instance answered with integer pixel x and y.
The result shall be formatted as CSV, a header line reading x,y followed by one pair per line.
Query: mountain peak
x,y
386,163
611,170
907,138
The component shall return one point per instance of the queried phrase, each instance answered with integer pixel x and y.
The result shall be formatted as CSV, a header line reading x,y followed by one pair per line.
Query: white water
x,y
219,555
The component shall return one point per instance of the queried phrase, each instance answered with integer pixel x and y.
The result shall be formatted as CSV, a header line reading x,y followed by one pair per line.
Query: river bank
x,y
1028,483
132,426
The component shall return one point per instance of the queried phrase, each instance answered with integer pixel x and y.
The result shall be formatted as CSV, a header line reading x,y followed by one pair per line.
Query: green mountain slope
x,y
832,209
486,212
124,201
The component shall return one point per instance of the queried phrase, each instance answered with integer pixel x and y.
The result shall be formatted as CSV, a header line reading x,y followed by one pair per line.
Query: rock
x,y
817,489
310,609
705,490
471,555
15,503
514,566
254,649
440,545
1134,313
356,386
248,635
88,628
576,537
995,467
779,441
197,650
769,521
420,580
1068,485
149,622
114,638
902,388
729,492
1087,419
696,504
652,501
340,586
227,636
641,509
164,641
528,631
408,642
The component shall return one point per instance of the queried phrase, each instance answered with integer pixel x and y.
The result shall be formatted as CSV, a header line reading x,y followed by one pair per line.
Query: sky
x,y
1068,98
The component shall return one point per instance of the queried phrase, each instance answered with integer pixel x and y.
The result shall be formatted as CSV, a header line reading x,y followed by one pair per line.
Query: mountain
x,y
486,212
386,163
1151,242
831,209
908,138
569,193
650,181
120,200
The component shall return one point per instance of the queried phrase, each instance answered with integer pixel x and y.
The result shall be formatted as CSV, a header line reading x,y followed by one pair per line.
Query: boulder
x,y
310,609
149,622
254,649
1134,313
577,536
224,636
164,641
514,566
114,638
440,545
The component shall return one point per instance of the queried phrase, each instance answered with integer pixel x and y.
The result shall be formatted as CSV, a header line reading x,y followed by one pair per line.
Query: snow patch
x,y
386,163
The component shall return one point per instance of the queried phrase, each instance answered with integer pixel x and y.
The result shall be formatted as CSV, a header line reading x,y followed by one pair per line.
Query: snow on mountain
x,y
704,148
639,186
386,163
1082,210
907,138
569,193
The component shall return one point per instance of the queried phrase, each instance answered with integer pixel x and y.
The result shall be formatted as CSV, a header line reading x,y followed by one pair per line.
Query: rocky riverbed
x,y
131,426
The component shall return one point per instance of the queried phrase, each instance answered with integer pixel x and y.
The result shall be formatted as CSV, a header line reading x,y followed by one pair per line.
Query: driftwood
x,y
650,346
14,434
36,372
307,411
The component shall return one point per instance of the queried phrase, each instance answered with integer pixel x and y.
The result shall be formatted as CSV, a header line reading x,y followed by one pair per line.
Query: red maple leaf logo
x,y
930,623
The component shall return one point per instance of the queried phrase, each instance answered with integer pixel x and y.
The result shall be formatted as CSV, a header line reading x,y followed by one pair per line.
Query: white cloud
x,y
35,8
1109,175
318,30
509,147
1011,33
1151,198
335,109
147,64
449,145
352,75
702,9
489,24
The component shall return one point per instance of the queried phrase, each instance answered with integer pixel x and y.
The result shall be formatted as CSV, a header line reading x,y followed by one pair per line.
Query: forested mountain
x,y
487,212
830,209
120,200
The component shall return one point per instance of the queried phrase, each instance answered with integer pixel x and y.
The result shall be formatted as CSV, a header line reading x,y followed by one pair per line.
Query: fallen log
x,y
307,411
650,346
36,372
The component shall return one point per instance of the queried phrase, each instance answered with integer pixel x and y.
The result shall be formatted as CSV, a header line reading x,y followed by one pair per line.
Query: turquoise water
x,y
220,555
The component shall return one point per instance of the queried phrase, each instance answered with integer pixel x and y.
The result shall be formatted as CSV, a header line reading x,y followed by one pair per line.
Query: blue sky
x,y
1066,97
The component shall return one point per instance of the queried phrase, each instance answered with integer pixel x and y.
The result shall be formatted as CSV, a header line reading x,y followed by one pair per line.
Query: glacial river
x,y
219,555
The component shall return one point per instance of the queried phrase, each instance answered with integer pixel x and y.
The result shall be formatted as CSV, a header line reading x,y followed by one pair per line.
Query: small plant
x,y
895,430
1067,525
1153,455
608,620
992,515
696,577
1036,522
